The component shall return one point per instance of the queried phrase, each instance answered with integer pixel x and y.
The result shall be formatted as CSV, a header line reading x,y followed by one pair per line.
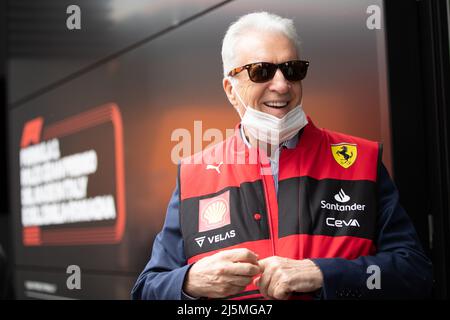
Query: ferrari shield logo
x,y
344,153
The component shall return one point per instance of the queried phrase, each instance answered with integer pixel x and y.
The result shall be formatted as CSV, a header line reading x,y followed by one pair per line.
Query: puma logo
x,y
217,168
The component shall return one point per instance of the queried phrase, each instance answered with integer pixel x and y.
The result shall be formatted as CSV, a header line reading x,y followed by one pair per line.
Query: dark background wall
x,y
418,54
5,231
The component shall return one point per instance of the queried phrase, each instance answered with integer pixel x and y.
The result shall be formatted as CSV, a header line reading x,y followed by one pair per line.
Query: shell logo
x,y
214,212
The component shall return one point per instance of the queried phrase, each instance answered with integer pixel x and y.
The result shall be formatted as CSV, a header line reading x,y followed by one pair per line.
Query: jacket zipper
x,y
269,210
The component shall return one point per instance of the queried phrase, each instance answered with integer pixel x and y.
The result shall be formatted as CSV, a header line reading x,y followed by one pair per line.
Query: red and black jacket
x,y
308,218
326,205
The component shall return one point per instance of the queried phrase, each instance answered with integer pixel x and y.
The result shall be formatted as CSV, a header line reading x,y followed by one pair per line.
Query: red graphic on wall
x,y
34,132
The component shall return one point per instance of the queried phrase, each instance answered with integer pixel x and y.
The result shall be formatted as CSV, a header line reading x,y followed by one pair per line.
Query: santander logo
x,y
341,197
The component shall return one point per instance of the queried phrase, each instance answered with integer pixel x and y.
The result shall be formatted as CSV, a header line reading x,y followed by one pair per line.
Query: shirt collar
x,y
289,144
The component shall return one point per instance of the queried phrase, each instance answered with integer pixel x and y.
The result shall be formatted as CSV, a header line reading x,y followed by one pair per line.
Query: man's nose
x,y
279,83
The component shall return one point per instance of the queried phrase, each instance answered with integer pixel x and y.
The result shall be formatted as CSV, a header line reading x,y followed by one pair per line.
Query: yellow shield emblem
x,y
344,153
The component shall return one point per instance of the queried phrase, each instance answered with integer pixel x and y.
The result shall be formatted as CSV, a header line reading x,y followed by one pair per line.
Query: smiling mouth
x,y
276,104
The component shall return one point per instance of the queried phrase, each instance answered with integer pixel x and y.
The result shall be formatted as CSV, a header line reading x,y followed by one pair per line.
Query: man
x,y
314,215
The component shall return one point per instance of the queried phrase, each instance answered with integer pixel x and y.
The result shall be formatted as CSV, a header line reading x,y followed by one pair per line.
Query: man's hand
x,y
222,274
282,276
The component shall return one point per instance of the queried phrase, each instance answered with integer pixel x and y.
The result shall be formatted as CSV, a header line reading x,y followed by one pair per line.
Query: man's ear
x,y
228,88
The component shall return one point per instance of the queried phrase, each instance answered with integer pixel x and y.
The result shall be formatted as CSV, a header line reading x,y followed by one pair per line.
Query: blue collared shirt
x,y
274,159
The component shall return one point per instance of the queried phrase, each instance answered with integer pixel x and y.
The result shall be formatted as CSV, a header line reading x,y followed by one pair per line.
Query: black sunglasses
x,y
259,72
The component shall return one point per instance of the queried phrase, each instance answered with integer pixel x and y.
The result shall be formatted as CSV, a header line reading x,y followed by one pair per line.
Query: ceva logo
x,y
338,223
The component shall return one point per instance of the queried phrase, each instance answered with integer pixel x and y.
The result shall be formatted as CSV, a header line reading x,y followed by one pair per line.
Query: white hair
x,y
260,21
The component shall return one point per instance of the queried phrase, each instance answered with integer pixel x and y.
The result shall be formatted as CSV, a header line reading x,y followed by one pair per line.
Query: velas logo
x,y
215,238
200,241
344,153
214,212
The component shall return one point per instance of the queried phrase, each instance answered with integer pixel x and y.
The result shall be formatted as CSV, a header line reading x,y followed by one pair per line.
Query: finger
x,y
280,292
244,269
263,284
240,255
263,263
271,289
274,283
256,281
240,281
233,290
226,290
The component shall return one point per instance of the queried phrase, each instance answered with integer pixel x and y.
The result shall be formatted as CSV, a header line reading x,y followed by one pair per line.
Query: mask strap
x,y
233,83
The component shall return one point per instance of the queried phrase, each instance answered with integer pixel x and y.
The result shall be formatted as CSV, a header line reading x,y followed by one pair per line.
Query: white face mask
x,y
270,129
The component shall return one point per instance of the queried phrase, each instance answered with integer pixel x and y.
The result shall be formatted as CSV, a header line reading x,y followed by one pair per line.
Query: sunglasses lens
x,y
261,72
294,70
